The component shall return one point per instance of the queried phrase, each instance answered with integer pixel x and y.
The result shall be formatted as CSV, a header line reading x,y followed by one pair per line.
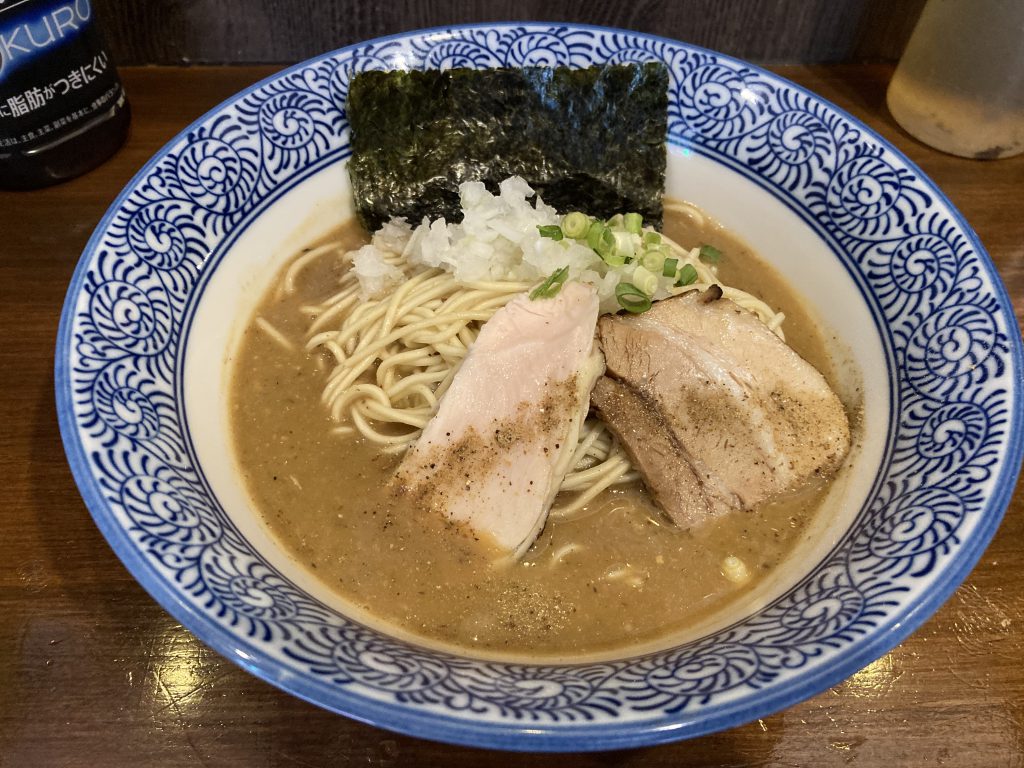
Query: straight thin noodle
x,y
279,338
396,355
300,263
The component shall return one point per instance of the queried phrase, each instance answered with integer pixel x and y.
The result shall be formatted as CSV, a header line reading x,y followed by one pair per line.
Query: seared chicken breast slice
x,y
494,455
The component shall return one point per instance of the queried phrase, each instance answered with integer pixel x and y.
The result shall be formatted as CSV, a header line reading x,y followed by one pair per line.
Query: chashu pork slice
x,y
715,410
502,440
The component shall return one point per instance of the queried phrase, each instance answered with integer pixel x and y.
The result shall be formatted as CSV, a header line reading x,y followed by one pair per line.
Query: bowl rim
x,y
525,737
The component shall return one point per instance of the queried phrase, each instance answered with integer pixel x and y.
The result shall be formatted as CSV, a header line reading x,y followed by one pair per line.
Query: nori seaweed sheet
x,y
585,139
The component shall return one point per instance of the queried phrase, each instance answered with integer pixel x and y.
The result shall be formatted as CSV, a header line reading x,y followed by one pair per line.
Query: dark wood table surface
x,y
94,673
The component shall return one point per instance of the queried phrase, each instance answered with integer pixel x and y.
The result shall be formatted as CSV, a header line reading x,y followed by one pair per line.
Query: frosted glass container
x,y
960,84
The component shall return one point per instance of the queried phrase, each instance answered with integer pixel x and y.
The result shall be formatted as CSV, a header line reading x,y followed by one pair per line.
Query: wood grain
x,y
251,31
94,674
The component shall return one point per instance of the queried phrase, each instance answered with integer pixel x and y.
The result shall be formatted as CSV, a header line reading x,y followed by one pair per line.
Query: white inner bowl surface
x,y
323,202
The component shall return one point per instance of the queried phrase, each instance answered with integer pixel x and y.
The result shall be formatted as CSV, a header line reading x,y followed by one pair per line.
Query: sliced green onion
x,y
615,222
631,298
645,280
687,275
633,222
608,249
550,287
710,254
550,230
668,269
575,225
624,245
653,260
652,238
594,234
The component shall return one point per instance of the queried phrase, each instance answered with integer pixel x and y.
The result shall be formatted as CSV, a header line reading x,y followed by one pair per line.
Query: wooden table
x,y
94,673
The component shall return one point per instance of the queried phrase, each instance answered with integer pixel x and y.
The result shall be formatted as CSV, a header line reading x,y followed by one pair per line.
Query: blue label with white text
x,y
55,73
28,34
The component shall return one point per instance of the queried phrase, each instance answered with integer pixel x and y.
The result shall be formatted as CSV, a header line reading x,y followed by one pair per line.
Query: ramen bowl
x,y
918,318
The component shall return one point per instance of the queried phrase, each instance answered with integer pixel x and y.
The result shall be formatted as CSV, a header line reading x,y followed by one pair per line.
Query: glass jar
x,y
960,84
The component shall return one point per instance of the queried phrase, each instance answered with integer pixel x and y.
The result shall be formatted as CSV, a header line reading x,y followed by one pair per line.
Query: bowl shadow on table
x,y
92,630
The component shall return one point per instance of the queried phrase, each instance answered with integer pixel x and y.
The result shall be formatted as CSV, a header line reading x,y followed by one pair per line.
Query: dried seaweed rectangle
x,y
586,139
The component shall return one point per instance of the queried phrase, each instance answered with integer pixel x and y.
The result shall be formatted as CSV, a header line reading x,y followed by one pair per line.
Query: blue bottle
x,y
62,108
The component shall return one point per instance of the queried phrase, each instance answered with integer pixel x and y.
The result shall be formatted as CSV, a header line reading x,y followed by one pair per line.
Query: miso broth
x,y
618,576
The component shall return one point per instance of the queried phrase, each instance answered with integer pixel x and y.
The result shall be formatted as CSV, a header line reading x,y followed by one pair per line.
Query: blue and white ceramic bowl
x,y
887,265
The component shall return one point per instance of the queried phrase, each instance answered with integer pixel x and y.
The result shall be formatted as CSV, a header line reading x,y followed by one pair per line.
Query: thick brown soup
x,y
616,577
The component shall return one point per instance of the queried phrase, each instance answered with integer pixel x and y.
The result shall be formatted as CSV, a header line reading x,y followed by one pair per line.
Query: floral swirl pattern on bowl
x,y
946,326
